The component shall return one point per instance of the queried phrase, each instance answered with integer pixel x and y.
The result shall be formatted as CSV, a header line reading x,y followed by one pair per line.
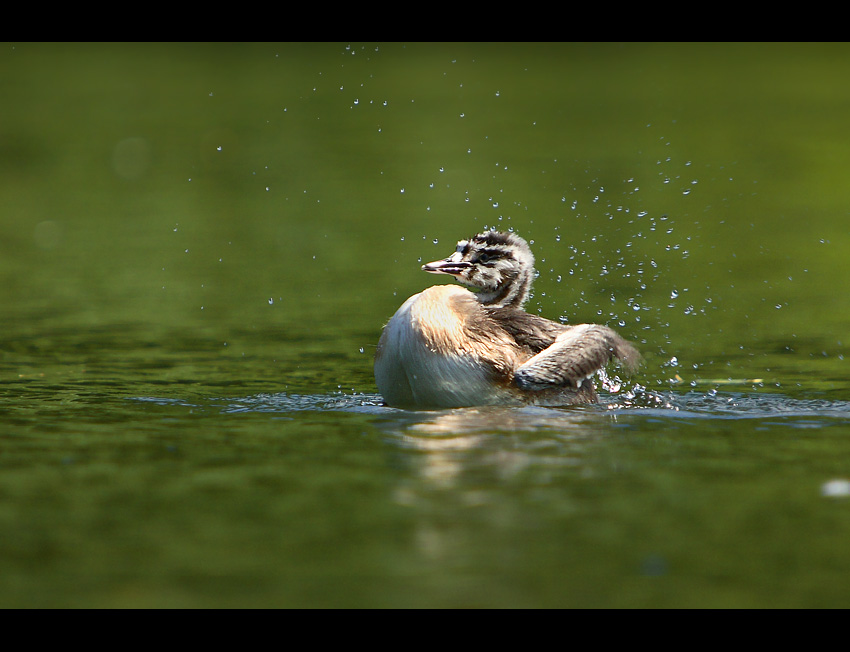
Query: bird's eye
x,y
484,258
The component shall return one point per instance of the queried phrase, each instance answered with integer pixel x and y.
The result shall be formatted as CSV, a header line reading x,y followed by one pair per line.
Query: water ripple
x,y
691,405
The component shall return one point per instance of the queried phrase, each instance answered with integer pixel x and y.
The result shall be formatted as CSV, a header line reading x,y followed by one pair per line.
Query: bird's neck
x,y
511,293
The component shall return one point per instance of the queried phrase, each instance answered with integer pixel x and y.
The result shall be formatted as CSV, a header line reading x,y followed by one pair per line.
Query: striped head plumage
x,y
497,266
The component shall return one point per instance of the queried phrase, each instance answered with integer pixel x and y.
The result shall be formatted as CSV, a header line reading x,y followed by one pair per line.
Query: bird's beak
x,y
446,266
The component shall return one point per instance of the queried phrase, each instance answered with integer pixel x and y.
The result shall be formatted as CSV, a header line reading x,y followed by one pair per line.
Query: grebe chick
x,y
451,347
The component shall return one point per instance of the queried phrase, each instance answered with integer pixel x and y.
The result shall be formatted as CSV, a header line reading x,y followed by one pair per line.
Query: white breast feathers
x,y
427,355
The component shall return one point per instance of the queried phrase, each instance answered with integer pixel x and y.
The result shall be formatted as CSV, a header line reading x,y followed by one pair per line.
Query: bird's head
x,y
497,266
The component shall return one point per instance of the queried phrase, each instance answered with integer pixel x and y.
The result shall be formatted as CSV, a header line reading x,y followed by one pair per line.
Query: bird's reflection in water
x,y
476,473
497,441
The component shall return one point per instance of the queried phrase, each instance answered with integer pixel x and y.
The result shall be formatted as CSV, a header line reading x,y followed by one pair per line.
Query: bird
x,y
473,344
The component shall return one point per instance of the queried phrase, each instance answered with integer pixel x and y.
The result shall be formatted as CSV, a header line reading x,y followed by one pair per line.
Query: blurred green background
x,y
199,244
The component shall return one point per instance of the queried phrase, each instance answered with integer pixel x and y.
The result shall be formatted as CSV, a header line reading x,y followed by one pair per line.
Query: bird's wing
x,y
530,332
576,354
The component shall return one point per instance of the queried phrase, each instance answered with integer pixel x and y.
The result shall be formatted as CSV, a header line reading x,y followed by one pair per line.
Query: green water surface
x,y
200,243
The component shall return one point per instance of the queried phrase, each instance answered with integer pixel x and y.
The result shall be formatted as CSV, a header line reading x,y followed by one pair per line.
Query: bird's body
x,y
450,347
